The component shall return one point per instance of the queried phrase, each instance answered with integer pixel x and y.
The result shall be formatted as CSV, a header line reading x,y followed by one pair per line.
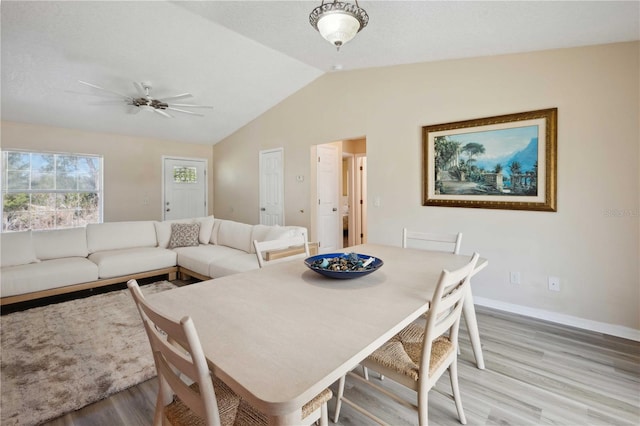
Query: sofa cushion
x,y
241,262
16,249
214,232
163,229
206,228
198,259
60,243
235,235
184,235
120,235
280,232
115,263
274,232
46,275
259,232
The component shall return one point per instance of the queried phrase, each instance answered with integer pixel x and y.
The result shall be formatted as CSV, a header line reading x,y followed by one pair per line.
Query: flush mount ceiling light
x,y
338,22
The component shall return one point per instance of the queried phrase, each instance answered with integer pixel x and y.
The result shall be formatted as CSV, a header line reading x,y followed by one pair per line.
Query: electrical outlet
x,y
514,277
554,283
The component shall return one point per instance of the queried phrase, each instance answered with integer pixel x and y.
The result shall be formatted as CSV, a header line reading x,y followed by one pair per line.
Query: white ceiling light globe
x,y
338,28
338,22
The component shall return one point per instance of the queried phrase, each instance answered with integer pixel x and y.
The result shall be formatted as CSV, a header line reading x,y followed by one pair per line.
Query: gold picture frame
x,y
502,162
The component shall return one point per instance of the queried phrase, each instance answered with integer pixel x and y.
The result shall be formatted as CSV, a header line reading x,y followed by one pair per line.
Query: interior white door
x,y
329,216
361,206
272,187
351,200
185,188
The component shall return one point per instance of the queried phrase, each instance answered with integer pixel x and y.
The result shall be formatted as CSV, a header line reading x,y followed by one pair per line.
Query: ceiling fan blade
x,y
185,111
110,102
96,94
106,90
162,113
139,89
181,96
190,106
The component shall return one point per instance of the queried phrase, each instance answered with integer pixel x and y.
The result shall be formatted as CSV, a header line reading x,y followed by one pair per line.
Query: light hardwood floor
x,y
536,373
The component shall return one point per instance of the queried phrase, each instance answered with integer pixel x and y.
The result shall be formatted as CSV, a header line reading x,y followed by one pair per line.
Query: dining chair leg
x,y
159,413
469,313
339,398
324,415
165,396
453,376
365,372
423,408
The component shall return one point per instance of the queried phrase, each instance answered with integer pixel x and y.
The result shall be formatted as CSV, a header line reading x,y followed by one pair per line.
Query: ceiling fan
x,y
143,100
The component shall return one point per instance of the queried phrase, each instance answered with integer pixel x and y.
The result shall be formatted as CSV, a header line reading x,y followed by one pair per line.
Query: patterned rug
x,y
59,358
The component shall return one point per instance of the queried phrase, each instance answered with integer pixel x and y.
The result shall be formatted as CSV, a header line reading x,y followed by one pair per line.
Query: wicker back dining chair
x,y
284,249
419,355
451,242
427,240
178,354
180,360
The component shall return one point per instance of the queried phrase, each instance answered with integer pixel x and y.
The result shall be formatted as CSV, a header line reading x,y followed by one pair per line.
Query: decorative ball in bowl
x,y
343,266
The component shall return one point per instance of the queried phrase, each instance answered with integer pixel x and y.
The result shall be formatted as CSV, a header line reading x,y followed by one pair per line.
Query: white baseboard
x,y
599,327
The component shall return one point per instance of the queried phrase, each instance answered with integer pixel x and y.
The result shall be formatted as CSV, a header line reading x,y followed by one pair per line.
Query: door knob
x,y
168,210
262,209
335,209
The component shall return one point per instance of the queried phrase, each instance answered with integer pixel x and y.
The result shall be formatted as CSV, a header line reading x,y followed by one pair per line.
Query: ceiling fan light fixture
x,y
144,101
139,102
338,22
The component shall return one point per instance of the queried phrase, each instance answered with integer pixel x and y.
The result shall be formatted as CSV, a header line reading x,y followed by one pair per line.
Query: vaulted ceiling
x,y
244,57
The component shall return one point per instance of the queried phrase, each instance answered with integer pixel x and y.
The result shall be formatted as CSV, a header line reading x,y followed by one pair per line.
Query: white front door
x,y
329,216
272,187
185,188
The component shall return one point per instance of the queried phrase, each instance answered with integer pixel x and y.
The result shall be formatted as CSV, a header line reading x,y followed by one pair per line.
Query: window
x,y
184,174
49,191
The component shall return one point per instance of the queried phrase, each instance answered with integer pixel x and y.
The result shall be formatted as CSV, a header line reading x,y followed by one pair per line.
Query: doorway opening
x,y
354,192
338,215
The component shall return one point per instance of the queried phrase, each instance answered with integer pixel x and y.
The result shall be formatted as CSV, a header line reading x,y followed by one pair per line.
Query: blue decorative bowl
x,y
314,263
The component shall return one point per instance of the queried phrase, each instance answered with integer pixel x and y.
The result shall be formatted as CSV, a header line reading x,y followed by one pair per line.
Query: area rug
x,y
59,358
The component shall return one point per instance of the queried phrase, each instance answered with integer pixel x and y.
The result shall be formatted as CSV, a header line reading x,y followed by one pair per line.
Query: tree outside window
x,y
50,191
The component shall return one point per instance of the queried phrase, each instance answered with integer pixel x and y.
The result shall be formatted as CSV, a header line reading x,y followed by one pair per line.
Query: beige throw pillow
x,y
184,235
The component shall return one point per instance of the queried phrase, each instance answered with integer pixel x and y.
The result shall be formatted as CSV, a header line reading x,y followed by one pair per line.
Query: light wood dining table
x,y
281,334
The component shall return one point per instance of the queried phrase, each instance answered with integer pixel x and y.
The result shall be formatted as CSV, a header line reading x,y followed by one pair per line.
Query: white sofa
x,y
44,263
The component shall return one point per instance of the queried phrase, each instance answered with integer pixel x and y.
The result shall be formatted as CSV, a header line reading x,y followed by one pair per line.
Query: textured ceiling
x,y
243,57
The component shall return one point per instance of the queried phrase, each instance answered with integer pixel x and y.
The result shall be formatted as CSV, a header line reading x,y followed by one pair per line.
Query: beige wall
x,y
596,90
132,166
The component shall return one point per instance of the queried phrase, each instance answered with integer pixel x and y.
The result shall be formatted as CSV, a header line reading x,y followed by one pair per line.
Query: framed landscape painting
x,y
502,162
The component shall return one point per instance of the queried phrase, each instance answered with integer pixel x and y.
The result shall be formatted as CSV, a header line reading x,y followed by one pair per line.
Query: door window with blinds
x,y
50,190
